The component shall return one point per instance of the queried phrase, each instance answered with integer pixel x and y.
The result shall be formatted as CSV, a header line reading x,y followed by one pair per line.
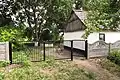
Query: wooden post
x,y
86,49
72,50
109,49
10,52
44,51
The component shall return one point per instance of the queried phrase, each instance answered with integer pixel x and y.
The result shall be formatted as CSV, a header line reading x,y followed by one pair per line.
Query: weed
x,y
115,57
1,76
4,63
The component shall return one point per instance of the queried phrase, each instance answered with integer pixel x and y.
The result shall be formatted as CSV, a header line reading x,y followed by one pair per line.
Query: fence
x,y
17,52
68,49
21,51
40,51
80,48
101,48
4,51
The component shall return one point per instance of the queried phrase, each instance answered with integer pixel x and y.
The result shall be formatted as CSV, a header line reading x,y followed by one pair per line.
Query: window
x,y
102,36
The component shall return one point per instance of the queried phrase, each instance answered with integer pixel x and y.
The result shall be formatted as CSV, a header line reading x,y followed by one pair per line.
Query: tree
x,y
36,15
78,4
103,13
40,14
5,12
10,33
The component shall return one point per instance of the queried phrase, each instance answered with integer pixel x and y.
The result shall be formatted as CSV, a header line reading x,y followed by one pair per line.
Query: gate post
x,y
44,51
10,52
86,49
109,49
72,50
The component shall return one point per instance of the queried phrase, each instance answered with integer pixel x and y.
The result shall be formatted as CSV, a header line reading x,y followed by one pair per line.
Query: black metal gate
x,y
40,51
22,51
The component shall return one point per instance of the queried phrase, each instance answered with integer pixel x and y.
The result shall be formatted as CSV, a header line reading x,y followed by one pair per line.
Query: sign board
x,y
4,51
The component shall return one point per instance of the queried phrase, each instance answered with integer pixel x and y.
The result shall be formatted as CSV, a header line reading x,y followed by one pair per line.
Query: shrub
x,y
10,33
4,63
1,76
110,66
115,56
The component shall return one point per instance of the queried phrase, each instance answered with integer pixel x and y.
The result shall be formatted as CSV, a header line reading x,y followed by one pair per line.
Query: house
x,y
75,29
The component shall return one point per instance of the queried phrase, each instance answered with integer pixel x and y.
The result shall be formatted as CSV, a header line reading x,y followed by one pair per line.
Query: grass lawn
x,y
50,69
45,70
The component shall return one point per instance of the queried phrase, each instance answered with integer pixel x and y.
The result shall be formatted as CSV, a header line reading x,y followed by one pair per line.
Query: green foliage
x,y
74,74
5,12
110,66
90,30
21,57
10,33
1,76
78,4
46,35
36,15
26,74
50,70
55,32
4,63
102,15
115,56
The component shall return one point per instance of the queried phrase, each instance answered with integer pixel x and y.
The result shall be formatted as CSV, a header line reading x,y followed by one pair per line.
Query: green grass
x,y
4,63
48,70
110,66
32,54
112,63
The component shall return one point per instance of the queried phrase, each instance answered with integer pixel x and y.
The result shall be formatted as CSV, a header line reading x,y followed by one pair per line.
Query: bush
x,y
4,63
110,66
10,33
115,56
1,76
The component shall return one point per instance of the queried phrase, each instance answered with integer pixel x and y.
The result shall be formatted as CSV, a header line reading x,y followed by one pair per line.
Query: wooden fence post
x,y
44,51
10,52
72,50
86,49
109,49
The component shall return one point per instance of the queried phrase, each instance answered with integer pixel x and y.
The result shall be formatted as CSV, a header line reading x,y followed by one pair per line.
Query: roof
x,y
80,14
76,21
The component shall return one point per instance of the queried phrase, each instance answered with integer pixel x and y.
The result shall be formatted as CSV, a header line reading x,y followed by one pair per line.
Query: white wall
x,y
75,36
110,37
76,44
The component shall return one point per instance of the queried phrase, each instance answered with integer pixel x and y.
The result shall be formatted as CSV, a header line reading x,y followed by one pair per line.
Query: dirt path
x,y
101,73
